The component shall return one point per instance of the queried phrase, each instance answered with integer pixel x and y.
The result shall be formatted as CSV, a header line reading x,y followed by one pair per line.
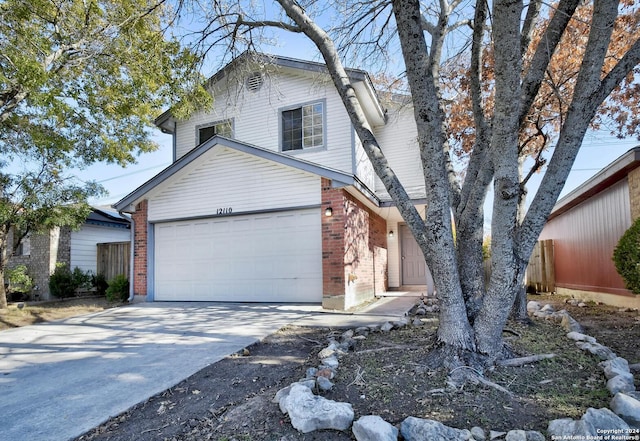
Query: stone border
x,y
309,412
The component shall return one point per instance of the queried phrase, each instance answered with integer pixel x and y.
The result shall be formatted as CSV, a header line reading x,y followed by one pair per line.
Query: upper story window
x,y
222,128
303,127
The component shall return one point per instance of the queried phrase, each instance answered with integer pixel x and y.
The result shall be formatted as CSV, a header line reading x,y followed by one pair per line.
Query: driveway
x,y
59,380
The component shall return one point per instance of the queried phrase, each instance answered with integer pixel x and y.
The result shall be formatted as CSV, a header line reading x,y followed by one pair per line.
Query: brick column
x,y
140,249
332,247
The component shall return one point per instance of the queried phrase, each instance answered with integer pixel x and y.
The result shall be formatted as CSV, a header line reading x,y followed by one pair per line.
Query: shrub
x,y
99,282
81,279
20,283
626,257
118,289
61,283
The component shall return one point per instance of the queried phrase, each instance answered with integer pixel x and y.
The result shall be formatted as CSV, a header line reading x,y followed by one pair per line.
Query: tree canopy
x,y
80,82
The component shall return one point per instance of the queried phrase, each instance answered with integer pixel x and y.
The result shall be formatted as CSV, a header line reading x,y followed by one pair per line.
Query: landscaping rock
x,y
533,306
495,434
635,368
309,412
621,383
327,373
327,352
578,336
330,362
566,428
386,327
516,435
604,419
569,323
312,372
418,429
615,367
603,352
324,384
374,428
478,433
362,330
417,322
532,435
627,408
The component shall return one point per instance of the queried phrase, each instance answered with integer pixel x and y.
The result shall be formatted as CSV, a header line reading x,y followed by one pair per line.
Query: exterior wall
x,y
256,115
84,244
398,140
140,247
227,179
354,251
584,238
47,249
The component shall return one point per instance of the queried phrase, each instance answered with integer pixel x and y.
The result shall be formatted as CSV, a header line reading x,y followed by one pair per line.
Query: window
x,y
24,247
222,128
303,127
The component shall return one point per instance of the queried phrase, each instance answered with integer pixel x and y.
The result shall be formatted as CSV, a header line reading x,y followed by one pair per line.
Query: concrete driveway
x,y
59,380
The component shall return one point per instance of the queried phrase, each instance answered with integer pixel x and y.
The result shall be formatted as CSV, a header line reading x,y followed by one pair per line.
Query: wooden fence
x,y
113,259
540,272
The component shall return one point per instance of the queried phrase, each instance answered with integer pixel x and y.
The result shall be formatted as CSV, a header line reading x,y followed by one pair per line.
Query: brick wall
x,y
353,250
140,249
633,179
46,250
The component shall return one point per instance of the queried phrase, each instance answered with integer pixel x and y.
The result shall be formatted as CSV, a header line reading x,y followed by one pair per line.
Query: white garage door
x,y
271,257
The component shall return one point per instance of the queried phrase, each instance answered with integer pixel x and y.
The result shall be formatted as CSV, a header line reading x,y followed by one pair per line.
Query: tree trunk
x,y
3,291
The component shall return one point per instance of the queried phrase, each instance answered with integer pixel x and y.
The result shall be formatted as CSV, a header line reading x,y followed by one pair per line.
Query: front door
x,y
414,268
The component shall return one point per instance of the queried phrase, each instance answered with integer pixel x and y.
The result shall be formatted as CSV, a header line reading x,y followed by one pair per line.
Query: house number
x,y
224,210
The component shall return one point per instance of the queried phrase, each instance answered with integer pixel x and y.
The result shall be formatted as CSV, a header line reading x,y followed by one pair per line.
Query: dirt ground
x,y
30,313
384,375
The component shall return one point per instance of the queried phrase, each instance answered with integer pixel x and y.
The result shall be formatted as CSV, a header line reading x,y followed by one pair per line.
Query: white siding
x,y
224,178
256,116
364,168
84,241
398,140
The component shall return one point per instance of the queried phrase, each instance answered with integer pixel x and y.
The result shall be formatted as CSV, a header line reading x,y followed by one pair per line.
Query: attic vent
x,y
254,82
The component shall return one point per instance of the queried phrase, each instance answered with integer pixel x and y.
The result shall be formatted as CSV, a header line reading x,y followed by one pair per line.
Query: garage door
x,y
271,257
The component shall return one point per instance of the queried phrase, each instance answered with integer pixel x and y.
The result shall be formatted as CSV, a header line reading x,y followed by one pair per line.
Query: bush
x,y
626,257
20,283
118,290
99,282
61,284
64,283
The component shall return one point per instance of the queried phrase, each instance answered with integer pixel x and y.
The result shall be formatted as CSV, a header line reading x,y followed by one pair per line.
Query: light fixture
x,y
328,212
391,233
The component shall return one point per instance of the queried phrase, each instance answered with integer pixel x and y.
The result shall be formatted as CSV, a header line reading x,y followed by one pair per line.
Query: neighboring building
x,y
271,197
585,227
41,252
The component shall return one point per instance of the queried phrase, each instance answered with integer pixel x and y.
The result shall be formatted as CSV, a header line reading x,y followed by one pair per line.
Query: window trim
x,y
281,110
199,127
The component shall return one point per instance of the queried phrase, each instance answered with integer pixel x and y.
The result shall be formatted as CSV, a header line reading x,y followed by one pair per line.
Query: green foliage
x,y
20,283
99,282
626,257
64,283
86,79
118,290
61,284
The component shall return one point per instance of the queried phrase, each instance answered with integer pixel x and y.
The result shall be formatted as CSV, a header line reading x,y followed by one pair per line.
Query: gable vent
x,y
254,82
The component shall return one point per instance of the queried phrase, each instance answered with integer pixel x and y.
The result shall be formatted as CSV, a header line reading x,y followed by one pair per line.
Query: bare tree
x,y
503,122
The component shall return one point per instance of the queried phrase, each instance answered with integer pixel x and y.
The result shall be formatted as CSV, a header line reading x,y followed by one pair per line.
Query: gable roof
x,y
602,180
361,79
338,178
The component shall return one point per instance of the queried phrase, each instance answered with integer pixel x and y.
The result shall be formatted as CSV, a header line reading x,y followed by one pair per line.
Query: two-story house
x,y
271,198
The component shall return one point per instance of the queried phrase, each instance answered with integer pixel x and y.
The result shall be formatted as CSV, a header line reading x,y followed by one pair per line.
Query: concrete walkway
x,y
61,379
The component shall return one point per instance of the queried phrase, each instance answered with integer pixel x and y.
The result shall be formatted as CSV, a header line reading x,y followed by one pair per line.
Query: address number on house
x,y
227,210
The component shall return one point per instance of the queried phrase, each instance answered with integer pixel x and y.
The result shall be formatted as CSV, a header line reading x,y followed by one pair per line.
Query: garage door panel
x,y
270,257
